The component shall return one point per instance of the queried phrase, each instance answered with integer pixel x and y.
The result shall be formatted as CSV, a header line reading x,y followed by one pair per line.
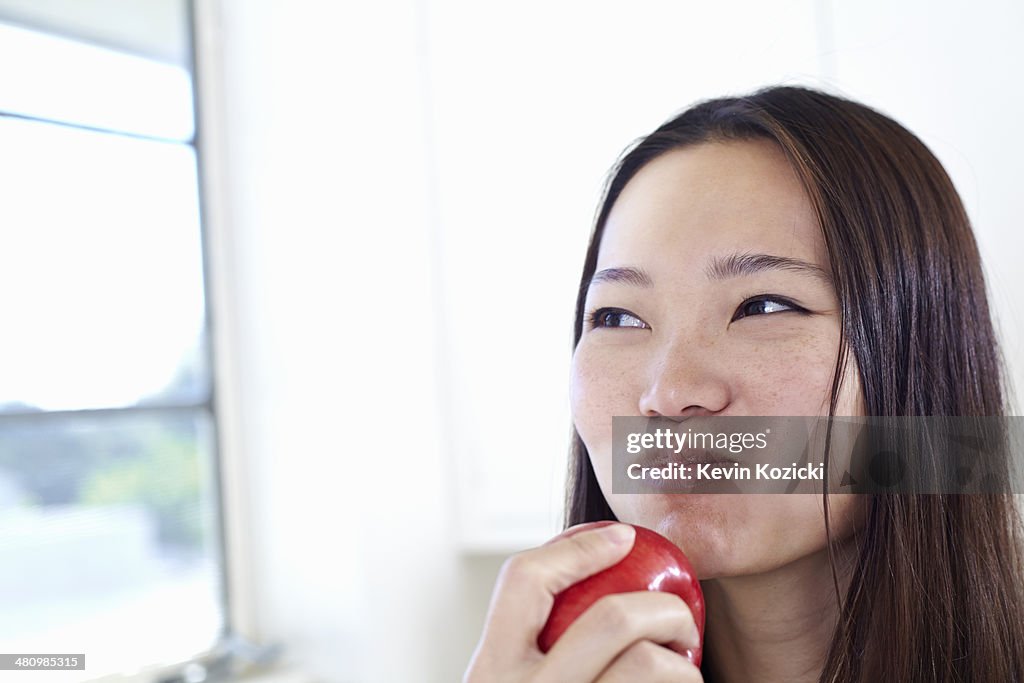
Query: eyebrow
x,y
629,276
721,268
738,265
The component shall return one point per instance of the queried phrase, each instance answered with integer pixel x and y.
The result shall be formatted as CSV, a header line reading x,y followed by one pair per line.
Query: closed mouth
x,y
661,457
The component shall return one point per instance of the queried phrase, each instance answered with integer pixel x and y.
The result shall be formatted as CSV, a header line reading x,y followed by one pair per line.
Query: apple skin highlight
x,y
653,564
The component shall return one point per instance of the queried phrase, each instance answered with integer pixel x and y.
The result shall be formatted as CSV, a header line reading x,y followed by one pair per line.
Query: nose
x,y
685,381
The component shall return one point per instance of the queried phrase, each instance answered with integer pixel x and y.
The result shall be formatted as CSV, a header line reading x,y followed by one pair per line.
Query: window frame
x,y
232,532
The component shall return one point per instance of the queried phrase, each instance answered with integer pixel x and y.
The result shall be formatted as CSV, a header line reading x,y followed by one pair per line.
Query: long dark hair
x,y
937,592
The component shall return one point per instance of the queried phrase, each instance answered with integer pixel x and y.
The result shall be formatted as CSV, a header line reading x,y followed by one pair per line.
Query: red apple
x,y
654,564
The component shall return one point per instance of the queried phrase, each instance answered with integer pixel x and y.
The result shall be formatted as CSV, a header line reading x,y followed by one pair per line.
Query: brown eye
x,y
615,317
763,305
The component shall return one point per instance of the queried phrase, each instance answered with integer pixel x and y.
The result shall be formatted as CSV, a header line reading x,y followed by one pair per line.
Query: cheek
x,y
800,383
794,378
601,386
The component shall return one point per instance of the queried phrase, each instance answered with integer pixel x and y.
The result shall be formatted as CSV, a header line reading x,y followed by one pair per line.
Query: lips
x,y
661,457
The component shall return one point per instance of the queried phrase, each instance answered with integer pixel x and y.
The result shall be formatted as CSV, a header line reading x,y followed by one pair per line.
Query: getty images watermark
x,y
951,455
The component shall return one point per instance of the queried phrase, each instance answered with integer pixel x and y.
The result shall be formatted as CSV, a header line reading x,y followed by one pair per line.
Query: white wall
x,y
407,187
948,72
347,552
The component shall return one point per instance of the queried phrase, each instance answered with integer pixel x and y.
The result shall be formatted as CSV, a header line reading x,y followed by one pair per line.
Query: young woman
x,y
785,253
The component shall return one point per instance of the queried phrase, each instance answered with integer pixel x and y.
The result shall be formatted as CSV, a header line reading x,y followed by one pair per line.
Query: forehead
x,y
712,198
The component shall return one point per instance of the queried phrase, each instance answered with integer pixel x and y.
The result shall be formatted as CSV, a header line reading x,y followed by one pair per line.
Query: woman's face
x,y
677,332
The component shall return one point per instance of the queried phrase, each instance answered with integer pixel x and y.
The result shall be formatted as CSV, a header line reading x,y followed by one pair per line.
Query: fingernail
x,y
692,656
619,534
695,636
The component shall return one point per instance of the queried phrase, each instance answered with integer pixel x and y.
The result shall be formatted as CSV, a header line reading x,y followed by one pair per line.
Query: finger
x,y
530,580
616,622
573,530
652,663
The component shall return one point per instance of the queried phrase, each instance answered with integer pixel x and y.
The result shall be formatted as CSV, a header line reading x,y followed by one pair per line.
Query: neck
x,y
775,626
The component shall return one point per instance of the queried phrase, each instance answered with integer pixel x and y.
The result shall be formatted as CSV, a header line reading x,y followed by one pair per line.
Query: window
x,y
109,521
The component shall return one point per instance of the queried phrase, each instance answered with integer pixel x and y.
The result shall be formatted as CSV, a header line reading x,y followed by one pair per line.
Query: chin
x,y
705,527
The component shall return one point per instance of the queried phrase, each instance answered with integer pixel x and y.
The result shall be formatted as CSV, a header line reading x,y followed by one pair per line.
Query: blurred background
x,y
289,291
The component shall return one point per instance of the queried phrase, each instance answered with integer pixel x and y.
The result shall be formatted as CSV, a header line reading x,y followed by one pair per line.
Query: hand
x,y
624,637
